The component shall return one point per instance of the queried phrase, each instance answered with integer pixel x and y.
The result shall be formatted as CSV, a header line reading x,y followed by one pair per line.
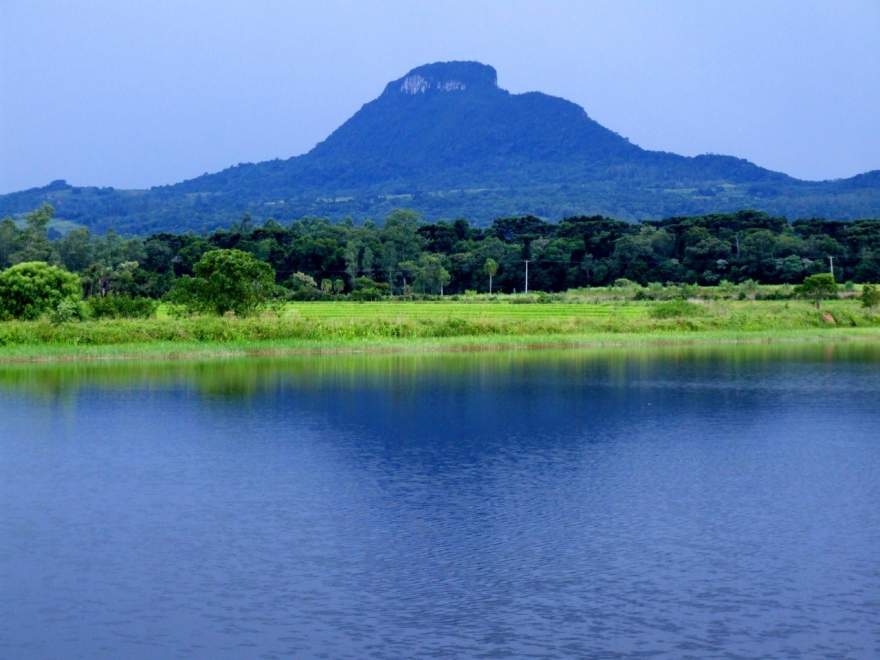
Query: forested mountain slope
x,y
445,140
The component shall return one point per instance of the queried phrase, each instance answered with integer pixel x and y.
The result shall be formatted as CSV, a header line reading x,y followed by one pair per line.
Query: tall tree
x,y
490,267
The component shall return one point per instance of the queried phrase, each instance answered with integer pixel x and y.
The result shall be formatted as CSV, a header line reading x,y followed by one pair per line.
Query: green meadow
x,y
341,326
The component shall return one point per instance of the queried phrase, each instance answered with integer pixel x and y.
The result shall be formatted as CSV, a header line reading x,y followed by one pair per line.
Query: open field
x,y
434,310
439,325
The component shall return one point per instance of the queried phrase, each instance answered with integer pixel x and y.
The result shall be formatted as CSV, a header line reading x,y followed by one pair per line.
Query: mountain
x,y
445,140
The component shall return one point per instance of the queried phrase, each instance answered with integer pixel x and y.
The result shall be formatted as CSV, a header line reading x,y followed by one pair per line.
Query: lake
x,y
683,503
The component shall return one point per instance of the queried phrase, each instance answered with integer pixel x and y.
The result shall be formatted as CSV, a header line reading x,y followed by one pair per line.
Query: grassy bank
x,y
424,326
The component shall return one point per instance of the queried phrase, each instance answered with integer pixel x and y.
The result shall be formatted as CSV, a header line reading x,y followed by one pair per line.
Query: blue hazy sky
x,y
133,94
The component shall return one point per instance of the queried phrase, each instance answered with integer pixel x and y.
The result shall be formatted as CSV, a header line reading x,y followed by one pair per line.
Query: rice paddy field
x,y
434,310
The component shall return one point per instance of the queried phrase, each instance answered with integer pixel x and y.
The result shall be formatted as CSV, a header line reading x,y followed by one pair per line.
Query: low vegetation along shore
x,y
505,322
233,301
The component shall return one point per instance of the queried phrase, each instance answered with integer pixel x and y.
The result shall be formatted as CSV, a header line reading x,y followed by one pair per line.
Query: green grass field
x,y
440,325
433,310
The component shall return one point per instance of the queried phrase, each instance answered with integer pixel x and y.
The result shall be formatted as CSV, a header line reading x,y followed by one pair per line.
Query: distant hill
x,y
447,141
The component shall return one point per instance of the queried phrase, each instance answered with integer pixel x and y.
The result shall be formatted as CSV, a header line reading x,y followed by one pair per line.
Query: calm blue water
x,y
682,504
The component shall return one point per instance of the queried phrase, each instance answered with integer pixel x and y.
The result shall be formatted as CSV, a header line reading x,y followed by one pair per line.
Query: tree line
x,y
403,255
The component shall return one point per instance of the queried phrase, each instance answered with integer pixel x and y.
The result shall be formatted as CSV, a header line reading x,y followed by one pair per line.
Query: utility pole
x,y
527,276
831,261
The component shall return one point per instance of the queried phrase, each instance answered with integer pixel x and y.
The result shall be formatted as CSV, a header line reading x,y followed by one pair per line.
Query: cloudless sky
x,y
134,94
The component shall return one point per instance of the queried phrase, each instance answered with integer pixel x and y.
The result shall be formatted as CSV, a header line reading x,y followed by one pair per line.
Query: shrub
x,y
366,294
226,281
367,289
30,289
301,280
122,307
727,288
676,309
686,291
748,289
307,294
655,291
302,286
68,310
870,296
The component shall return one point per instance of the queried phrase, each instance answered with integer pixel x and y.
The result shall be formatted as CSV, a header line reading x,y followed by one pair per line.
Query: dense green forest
x,y
315,258
532,189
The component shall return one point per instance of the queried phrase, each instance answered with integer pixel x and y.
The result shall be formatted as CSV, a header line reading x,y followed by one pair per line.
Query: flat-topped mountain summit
x,y
445,77
446,140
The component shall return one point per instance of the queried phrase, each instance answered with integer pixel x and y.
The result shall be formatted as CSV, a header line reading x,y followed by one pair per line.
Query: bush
x,y
364,282
366,289
307,294
226,281
33,288
686,290
67,311
748,289
870,296
676,309
655,291
303,287
366,294
727,288
122,307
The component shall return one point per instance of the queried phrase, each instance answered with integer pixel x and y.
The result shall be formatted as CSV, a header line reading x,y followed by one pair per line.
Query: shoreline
x,y
239,349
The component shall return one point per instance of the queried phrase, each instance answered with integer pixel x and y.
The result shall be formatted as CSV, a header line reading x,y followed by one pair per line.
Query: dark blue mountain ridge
x,y
453,115
446,140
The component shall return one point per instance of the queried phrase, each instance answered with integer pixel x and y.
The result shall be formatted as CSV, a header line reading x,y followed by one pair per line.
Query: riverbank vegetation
x,y
403,282
480,323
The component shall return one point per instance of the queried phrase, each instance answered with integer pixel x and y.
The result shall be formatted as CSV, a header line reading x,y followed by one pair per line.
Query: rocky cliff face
x,y
445,77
